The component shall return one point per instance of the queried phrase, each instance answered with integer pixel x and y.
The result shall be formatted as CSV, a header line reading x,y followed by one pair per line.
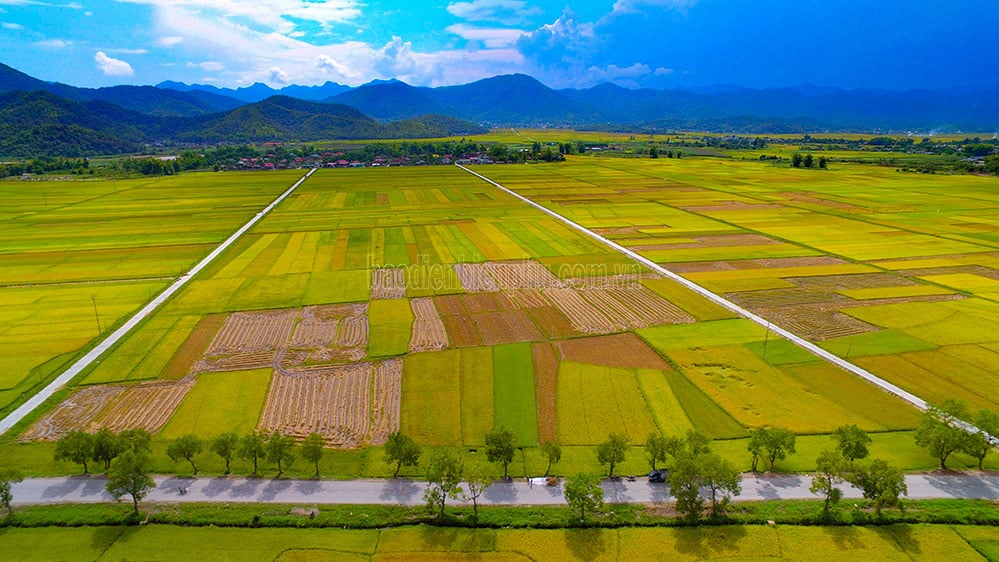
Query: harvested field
x,y
728,206
552,322
808,261
719,241
349,405
77,412
528,298
546,389
449,304
507,326
636,305
795,296
428,330
146,406
583,315
254,331
182,362
817,324
854,281
485,302
388,283
315,332
475,278
461,330
626,351
522,275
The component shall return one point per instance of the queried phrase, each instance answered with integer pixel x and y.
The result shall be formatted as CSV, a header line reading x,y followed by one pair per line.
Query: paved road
x,y
106,344
407,492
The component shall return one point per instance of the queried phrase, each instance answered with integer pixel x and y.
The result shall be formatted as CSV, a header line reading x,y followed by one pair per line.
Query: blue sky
x,y
892,44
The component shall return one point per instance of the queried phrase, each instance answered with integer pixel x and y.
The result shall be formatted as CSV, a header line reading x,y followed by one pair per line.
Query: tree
x,y
720,477
772,443
312,449
402,450
107,447
832,468
685,486
478,480
185,447
500,447
444,472
823,162
8,477
251,448
280,450
938,433
583,492
807,161
129,475
796,160
655,448
881,483
852,442
137,440
552,453
979,444
75,446
612,451
225,446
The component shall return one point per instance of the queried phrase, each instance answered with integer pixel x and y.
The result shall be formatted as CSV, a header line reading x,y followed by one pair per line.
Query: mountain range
x,y
44,118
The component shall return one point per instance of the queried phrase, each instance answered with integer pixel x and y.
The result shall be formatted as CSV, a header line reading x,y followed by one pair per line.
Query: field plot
x,y
860,259
76,246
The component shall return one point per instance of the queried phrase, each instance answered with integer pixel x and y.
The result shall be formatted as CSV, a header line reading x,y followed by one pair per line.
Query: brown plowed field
x,y
626,351
552,322
461,330
428,330
485,302
77,412
545,388
449,304
507,326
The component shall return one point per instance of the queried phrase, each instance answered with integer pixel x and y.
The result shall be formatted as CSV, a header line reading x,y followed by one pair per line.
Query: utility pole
x,y
96,316
766,338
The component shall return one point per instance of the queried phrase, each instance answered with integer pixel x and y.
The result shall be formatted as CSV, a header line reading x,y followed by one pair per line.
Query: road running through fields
x,y
106,344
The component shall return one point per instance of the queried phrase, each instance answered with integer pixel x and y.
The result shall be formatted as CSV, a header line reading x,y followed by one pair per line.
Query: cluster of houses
x,y
338,160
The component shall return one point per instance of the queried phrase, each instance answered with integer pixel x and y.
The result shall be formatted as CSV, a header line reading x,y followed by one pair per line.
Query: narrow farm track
x,y
721,301
106,344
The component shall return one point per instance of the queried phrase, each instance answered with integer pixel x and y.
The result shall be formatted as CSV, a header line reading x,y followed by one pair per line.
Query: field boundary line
x,y
727,304
106,344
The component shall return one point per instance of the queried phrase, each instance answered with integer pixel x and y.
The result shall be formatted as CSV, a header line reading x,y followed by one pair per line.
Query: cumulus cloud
x,y
273,15
507,12
112,67
560,41
279,76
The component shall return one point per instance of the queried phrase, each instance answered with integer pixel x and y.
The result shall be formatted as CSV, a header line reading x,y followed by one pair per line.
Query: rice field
x,y
497,315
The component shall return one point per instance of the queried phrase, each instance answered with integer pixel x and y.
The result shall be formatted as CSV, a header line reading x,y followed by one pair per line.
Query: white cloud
x,y
170,41
279,76
12,26
129,51
626,76
53,44
492,38
207,66
635,6
661,71
271,15
507,12
112,67
71,5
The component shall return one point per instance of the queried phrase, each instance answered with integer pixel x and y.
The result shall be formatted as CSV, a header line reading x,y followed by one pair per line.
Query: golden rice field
x,y
427,301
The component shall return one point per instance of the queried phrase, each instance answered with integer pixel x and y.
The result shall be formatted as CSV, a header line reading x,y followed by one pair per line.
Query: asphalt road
x,y
90,489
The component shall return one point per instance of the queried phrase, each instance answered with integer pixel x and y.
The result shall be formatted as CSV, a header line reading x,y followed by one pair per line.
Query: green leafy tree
x,y
500,448
478,479
8,477
807,161
251,448
583,493
823,162
852,442
107,447
722,479
552,453
312,449
225,446
130,475
655,448
832,470
75,446
881,483
401,450
685,485
444,473
978,444
612,451
938,432
185,447
796,160
280,451
771,443
137,440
